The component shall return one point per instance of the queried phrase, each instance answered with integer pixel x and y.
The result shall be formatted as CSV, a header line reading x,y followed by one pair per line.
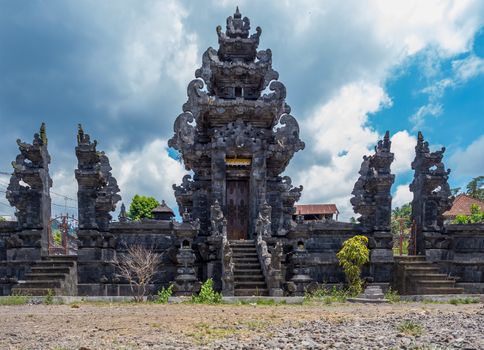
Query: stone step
x,y
436,283
418,264
49,284
421,269
245,256
241,260
249,278
33,291
250,272
250,292
406,258
250,285
242,241
248,266
54,263
441,290
50,269
431,276
44,276
60,258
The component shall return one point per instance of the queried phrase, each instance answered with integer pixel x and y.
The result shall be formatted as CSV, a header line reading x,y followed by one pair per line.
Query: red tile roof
x,y
462,205
316,209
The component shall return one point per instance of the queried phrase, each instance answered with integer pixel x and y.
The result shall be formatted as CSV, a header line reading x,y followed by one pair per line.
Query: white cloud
x,y
403,146
148,171
339,128
402,196
418,118
469,161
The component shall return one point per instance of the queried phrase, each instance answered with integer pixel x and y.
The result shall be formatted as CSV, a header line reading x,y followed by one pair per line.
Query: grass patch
x,y
327,295
269,302
205,333
468,300
410,328
14,300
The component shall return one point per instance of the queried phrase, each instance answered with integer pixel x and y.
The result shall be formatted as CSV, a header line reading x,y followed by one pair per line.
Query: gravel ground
x,y
335,326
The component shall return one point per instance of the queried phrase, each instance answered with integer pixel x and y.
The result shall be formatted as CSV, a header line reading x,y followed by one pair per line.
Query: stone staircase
x,y
248,277
57,273
415,276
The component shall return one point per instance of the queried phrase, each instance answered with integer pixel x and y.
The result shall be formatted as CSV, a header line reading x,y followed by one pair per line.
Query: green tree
x,y
402,214
475,188
141,207
2,219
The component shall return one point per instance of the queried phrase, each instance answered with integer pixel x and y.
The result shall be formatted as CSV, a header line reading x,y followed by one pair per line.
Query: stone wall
x,y
466,256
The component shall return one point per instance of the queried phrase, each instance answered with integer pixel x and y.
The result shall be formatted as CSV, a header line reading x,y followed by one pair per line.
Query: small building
x,y
462,206
316,212
163,212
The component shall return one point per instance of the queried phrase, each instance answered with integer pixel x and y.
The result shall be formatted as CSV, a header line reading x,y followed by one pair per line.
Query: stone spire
x,y
98,190
29,192
371,193
431,192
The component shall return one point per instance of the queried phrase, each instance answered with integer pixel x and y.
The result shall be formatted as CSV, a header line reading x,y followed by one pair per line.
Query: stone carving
x,y
263,223
227,268
371,193
431,193
97,188
219,224
30,183
123,217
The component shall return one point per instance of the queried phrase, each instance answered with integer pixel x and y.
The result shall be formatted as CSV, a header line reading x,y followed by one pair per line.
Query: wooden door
x,y
237,209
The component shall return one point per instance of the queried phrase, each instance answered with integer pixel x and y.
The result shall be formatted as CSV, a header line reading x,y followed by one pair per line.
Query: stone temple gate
x,y
235,139
236,136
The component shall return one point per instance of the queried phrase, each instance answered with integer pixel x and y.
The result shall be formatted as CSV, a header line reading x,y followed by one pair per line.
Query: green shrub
x,y
207,294
352,256
164,294
392,296
477,216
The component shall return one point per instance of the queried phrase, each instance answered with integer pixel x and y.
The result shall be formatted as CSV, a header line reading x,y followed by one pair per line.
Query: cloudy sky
x,y
352,69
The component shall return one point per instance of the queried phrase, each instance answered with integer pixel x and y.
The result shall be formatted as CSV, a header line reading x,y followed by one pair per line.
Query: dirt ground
x,y
129,326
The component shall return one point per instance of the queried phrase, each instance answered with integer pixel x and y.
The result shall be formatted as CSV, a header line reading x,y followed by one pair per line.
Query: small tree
x,y
2,219
141,207
138,266
352,256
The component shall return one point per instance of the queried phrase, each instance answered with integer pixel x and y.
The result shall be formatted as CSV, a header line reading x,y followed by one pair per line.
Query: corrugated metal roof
x,y
316,209
462,206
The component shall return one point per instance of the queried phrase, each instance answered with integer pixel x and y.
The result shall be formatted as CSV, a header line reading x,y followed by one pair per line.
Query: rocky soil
x,y
151,326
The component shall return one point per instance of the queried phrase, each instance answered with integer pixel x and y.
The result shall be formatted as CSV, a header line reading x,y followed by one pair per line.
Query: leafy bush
x,y
57,237
352,256
164,294
207,294
392,296
476,217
